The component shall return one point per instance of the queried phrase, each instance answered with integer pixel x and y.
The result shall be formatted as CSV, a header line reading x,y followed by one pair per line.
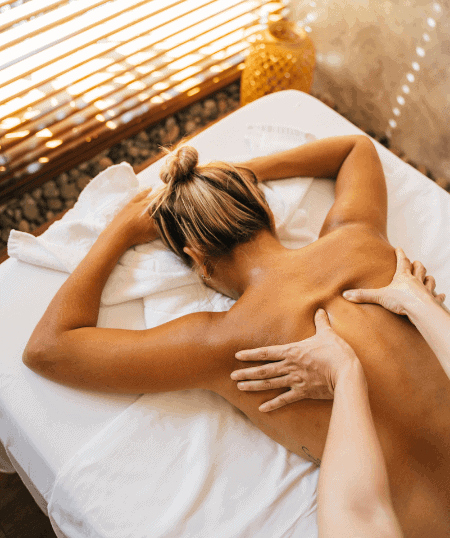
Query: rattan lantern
x,y
281,57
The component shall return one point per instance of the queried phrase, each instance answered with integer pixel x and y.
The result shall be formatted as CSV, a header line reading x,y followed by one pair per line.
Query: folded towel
x,y
151,271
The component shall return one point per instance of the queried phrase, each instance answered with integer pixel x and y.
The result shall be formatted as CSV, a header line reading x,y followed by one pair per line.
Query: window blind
x,y
74,69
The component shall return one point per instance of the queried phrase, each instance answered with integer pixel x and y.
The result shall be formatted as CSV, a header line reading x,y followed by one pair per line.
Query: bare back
x,y
408,389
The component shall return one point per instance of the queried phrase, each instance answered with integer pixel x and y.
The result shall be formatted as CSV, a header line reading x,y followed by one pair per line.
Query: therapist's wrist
x,y
351,373
420,307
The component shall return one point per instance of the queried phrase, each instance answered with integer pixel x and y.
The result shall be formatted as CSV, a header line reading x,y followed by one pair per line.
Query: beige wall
x,y
366,62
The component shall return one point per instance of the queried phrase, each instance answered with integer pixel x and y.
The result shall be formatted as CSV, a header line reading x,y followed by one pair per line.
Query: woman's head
x,y
211,208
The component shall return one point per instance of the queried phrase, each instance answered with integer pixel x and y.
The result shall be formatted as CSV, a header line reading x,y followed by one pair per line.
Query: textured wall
x,y
386,64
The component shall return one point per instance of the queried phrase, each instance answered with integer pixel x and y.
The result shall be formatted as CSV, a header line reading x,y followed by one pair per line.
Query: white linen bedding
x,y
219,463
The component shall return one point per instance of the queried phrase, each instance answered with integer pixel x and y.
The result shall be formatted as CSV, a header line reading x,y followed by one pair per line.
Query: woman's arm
x,y
411,293
67,347
320,158
360,193
353,492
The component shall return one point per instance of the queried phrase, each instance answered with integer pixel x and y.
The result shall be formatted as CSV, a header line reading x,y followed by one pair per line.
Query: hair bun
x,y
179,165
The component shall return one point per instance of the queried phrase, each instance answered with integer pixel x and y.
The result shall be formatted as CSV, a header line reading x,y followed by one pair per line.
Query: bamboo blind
x,y
74,69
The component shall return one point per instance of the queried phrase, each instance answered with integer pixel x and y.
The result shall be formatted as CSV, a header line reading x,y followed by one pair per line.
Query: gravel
x,y
60,193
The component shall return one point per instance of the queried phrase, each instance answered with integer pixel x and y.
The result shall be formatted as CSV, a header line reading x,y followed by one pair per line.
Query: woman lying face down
x,y
217,220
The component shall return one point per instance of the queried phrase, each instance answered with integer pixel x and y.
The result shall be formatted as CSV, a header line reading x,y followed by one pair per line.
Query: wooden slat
x,y
38,26
86,150
163,78
28,10
138,168
24,125
89,120
92,41
7,3
104,52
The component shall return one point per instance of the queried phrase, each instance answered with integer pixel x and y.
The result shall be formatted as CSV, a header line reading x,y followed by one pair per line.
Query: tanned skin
x,y
278,292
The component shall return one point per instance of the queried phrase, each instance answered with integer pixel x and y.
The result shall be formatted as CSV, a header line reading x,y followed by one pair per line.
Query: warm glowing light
x,y
181,52
2,169
9,123
45,133
138,85
160,86
31,114
18,134
53,143
101,104
193,91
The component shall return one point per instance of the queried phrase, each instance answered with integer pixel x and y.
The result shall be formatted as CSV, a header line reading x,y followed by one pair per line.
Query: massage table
x,y
44,425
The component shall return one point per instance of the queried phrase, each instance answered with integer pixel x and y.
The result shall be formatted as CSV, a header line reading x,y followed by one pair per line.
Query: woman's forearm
x,y
433,322
77,302
354,496
320,158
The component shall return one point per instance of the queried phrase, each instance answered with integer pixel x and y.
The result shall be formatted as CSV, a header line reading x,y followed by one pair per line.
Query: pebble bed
x,y
43,203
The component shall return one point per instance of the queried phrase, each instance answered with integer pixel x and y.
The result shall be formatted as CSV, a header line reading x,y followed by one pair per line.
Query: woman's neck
x,y
248,264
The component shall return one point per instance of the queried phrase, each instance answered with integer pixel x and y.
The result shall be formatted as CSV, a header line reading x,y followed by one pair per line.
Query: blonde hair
x,y
212,207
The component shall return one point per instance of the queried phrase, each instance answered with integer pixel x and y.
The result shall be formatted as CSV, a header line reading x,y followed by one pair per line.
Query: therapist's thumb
x,y
362,296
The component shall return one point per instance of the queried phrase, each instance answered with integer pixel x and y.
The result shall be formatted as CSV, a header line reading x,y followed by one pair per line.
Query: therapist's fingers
x,y
419,270
321,320
403,263
363,296
430,283
272,353
264,384
260,372
440,298
280,401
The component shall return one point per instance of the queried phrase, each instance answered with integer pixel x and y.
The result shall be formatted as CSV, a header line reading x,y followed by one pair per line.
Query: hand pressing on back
x,y
310,368
409,285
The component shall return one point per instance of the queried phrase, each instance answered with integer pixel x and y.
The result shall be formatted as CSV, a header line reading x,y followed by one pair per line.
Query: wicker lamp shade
x,y
281,57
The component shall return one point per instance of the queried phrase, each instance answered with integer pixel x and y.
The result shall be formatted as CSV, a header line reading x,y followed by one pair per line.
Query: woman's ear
x,y
196,255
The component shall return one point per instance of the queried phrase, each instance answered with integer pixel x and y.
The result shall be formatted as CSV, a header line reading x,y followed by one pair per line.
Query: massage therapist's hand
x,y
134,220
409,285
310,368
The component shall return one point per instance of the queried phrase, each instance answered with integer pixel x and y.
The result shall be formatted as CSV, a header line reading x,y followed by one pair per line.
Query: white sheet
x,y
419,224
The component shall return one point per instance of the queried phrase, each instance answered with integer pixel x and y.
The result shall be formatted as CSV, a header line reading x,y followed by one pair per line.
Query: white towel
x,y
151,271
184,465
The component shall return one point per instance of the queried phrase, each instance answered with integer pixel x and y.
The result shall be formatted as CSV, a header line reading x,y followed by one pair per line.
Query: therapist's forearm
x,y
77,302
353,493
433,323
320,158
